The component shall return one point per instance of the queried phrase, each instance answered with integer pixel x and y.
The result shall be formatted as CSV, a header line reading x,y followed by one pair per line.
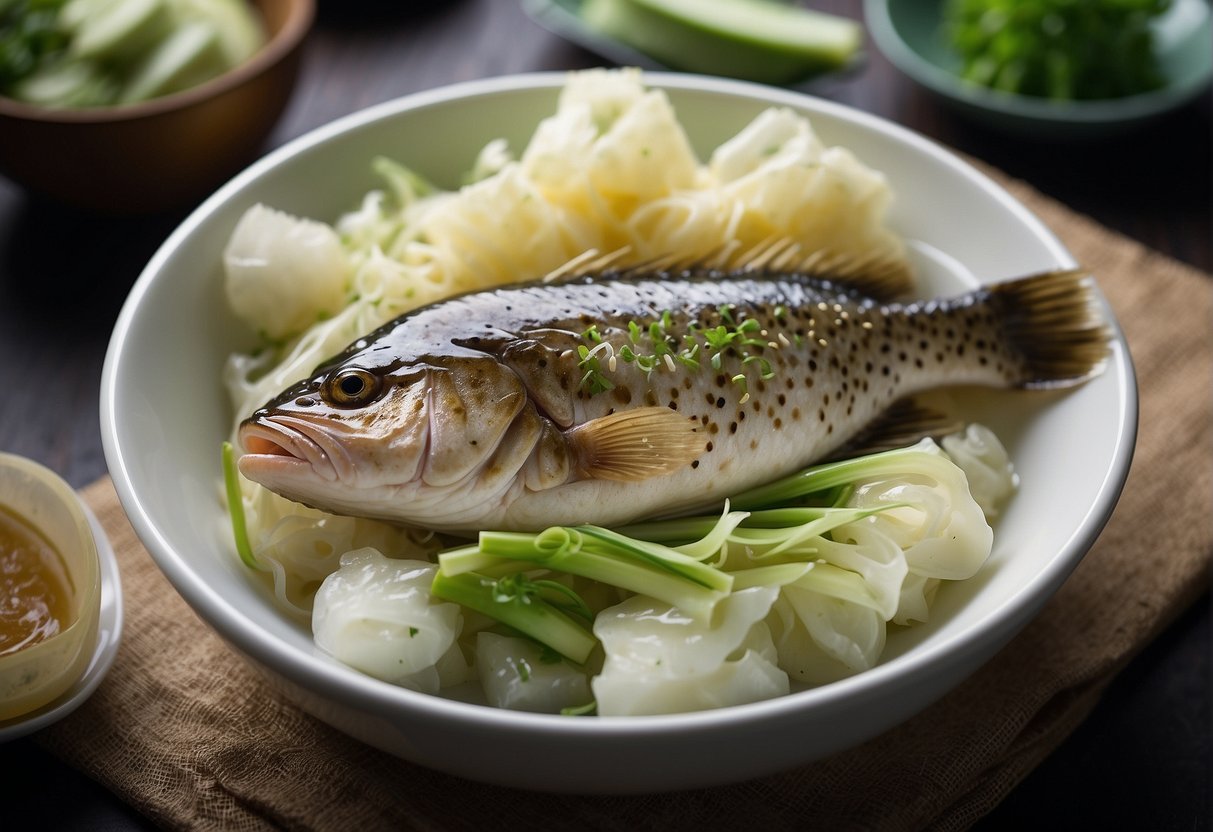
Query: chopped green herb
x,y
1057,49
738,335
593,380
764,366
689,357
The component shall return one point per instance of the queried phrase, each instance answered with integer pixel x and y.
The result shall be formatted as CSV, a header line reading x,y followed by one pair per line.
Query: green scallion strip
x,y
573,552
235,507
824,478
779,575
571,600
708,546
771,542
588,709
528,614
660,556
675,532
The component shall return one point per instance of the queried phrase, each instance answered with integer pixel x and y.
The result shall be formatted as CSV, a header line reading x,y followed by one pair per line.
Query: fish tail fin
x,y
1053,322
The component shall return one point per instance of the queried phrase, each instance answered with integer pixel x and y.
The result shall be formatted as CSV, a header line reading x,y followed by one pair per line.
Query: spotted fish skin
x,y
611,399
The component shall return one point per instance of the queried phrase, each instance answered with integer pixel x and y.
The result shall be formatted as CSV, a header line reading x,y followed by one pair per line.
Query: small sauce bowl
x,y
40,673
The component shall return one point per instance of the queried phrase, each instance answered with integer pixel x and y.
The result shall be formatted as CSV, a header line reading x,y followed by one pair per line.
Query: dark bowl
x,y
910,34
163,153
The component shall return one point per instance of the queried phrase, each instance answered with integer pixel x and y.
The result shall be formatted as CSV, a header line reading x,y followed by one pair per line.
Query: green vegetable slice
x,y
757,40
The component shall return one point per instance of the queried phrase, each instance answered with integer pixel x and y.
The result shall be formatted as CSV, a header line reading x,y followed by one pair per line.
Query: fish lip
x,y
297,442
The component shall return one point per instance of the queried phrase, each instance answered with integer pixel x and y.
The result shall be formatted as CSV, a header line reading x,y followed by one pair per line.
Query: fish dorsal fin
x,y
589,261
905,422
635,444
879,275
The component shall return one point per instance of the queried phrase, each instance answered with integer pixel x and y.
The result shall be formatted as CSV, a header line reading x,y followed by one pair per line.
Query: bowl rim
x,y
327,678
300,14
1108,111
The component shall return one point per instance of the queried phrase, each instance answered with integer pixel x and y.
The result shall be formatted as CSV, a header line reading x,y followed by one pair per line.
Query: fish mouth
x,y
280,442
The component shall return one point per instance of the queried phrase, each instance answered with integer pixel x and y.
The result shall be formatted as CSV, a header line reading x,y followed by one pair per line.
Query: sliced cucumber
x,y
75,12
189,56
121,30
240,31
66,84
754,39
123,51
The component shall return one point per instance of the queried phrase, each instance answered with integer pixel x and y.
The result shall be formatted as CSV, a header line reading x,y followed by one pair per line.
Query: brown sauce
x,y
35,598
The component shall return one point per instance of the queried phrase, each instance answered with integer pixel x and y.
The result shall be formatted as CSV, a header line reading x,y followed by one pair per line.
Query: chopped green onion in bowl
x,y
1057,49
917,39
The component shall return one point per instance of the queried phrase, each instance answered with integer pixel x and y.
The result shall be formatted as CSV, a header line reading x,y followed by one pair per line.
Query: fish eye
x,y
351,387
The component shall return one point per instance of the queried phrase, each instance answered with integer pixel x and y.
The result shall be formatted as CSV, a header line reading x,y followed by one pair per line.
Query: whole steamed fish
x,y
614,398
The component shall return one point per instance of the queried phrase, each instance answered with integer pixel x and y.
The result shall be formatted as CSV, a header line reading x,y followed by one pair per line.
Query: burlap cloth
x,y
188,734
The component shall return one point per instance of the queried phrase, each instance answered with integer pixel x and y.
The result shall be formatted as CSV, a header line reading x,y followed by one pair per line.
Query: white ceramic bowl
x,y
164,415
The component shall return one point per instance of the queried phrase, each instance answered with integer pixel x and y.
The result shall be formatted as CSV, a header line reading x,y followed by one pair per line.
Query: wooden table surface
x,y
1141,761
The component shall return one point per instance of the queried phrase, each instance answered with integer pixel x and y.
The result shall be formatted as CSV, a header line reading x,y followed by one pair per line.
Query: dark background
x,y
1141,761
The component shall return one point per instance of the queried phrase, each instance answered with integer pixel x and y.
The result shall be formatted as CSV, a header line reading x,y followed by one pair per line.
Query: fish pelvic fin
x,y
635,444
1053,322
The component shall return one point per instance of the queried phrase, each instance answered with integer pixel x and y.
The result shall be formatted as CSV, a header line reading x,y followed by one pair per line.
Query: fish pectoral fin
x,y
635,444
905,422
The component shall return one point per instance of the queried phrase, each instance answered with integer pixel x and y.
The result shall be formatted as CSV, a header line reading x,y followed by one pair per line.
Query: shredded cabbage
x,y
283,273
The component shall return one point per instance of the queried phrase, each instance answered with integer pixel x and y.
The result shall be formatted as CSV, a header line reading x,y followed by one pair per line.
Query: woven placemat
x,y
188,734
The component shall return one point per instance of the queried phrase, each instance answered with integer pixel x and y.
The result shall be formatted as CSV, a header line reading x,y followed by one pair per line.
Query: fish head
x,y
409,441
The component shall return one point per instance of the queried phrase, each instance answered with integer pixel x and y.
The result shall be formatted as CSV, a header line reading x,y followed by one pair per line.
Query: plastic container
x,y
39,674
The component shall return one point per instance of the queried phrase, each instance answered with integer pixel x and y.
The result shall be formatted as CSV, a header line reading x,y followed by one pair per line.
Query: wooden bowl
x,y
164,153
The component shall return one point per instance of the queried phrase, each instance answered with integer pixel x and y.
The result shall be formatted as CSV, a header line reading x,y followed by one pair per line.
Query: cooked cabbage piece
x,y
518,674
660,661
376,614
284,274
